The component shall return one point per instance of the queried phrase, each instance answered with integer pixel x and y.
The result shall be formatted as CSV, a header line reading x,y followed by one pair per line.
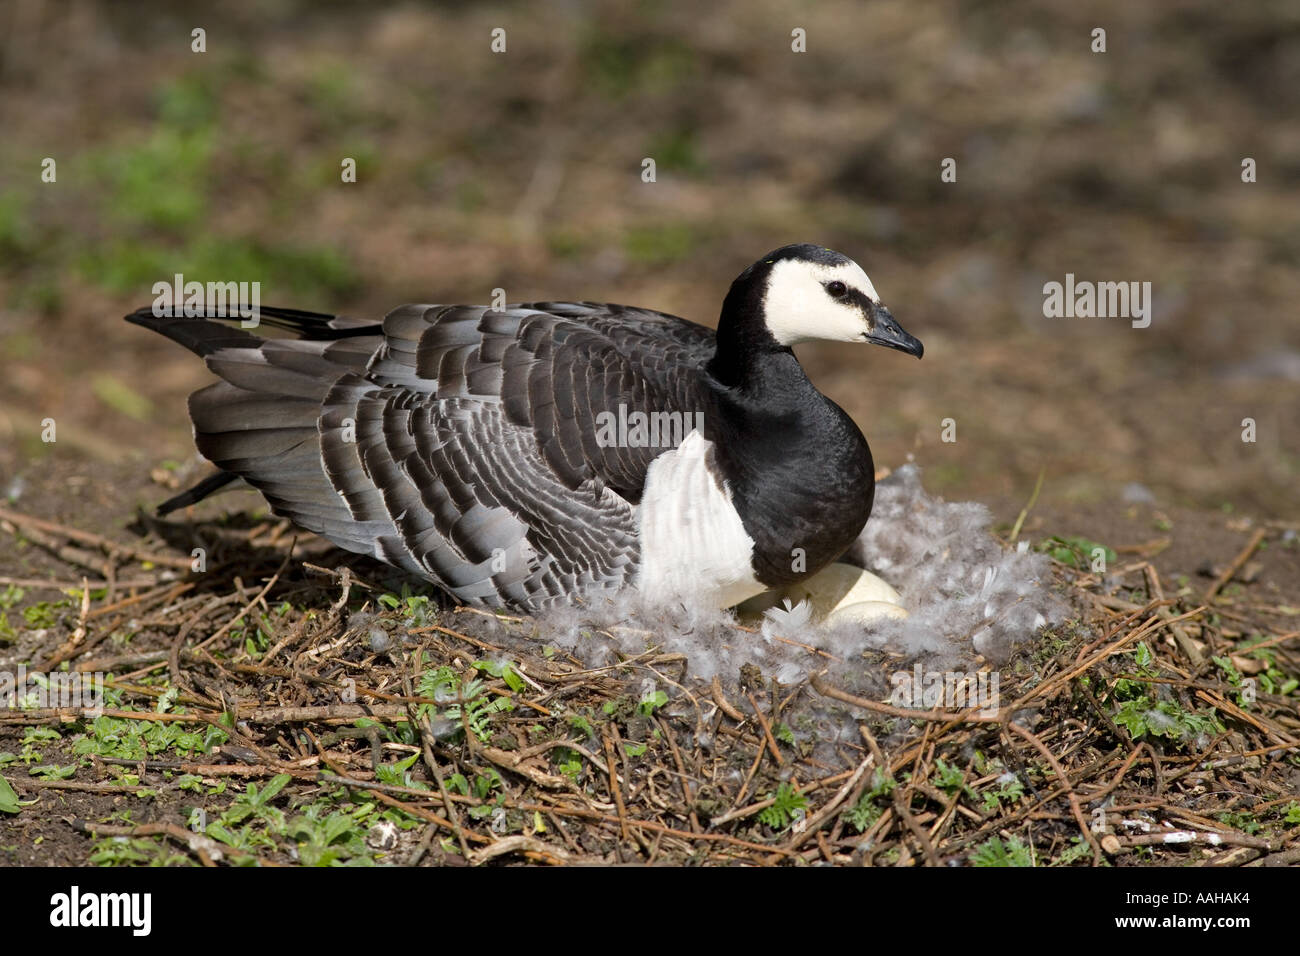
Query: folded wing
x,y
459,443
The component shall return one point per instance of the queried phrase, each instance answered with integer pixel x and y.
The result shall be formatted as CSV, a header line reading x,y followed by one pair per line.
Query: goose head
x,y
804,293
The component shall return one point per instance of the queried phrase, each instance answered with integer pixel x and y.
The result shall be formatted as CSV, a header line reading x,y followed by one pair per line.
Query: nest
x,y
1145,727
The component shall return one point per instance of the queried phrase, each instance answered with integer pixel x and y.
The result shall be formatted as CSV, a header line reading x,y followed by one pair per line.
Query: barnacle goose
x,y
553,451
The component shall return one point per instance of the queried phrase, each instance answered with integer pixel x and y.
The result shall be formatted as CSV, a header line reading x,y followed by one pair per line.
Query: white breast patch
x,y
693,543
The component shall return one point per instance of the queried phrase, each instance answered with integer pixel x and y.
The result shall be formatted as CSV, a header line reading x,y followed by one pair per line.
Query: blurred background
x,y
522,170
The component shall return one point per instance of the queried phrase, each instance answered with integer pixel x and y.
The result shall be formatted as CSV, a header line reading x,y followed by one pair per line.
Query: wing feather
x,y
456,442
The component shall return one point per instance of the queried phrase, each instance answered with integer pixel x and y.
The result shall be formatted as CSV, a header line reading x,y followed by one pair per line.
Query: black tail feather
x,y
206,333
190,496
201,336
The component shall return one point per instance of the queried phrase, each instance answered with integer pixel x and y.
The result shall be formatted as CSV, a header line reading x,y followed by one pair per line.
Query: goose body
x,y
549,452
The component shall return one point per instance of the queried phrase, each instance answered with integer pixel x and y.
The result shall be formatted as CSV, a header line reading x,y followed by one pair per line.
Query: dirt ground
x,y
522,171
139,809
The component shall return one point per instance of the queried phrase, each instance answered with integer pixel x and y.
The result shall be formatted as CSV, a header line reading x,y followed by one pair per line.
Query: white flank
x,y
693,543
799,309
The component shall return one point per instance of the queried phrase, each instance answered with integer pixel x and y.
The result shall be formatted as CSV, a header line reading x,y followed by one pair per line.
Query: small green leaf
x,y
993,852
278,783
9,802
787,803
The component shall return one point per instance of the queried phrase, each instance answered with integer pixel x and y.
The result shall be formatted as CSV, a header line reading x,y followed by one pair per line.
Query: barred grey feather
x,y
454,442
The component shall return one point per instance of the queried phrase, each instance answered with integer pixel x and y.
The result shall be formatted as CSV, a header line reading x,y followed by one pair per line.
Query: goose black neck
x,y
746,351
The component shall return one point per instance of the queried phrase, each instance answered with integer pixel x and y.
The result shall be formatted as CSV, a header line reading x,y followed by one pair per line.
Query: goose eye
x,y
837,289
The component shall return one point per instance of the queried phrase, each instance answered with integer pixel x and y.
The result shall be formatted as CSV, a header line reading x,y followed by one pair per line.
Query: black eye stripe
x,y
862,301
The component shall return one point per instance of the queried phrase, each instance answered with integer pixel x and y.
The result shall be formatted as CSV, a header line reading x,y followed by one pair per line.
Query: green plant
x,y
333,839
1241,820
257,640
478,710
651,702
582,725
787,803
41,616
250,820
1075,551
505,670
1164,718
1272,680
399,774
868,809
136,739
190,782
1009,791
136,851
9,802
993,852
951,780
1077,850
33,738
568,761
1141,715
467,700
255,803
481,790
54,771
414,608
39,735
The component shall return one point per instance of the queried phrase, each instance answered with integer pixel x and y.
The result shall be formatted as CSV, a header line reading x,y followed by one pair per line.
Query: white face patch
x,y
799,309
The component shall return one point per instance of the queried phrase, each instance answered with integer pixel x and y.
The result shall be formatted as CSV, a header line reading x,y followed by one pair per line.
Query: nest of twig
x,y
1144,730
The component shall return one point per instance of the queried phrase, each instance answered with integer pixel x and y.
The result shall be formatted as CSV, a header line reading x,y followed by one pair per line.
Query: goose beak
x,y
887,332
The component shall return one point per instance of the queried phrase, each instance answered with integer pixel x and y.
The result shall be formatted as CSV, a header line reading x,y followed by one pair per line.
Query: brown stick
x,y
614,789
1177,837
767,730
725,705
956,716
1065,782
204,847
900,803
86,537
1242,557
